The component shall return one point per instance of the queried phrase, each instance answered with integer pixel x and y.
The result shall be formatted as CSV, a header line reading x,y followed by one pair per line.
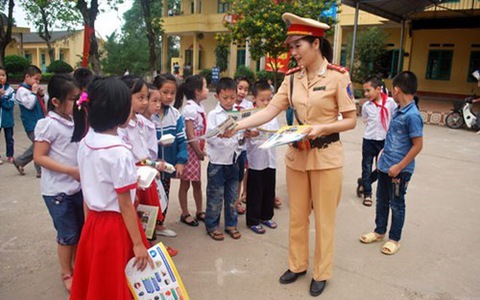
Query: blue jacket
x,y
7,103
29,116
172,122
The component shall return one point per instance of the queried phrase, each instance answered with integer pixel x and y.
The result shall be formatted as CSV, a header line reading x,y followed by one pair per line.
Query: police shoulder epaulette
x,y
291,71
337,68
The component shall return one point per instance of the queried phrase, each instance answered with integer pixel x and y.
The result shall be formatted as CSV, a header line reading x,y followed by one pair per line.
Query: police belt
x,y
320,142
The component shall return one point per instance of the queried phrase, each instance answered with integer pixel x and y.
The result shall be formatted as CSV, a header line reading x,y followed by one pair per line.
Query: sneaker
x,y
166,232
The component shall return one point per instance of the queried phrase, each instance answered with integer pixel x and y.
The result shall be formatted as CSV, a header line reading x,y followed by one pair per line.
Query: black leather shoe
x,y
289,276
317,287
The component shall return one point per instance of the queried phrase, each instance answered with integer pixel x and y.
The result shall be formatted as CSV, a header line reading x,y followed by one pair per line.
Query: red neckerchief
x,y
40,98
383,110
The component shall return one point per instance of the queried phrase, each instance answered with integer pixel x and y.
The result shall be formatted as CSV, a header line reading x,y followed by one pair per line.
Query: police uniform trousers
x,y
321,191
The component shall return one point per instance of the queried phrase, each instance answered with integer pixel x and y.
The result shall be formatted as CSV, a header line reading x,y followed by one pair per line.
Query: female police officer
x,y
318,92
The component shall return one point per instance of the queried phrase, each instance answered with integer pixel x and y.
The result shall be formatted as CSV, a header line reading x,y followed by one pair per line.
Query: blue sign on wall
x,y
330,13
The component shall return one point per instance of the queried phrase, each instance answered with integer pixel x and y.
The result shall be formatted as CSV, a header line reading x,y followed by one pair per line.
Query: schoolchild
x,y
83,76
112,233
60,183
136,135
222,171
7,103
195,90
32,100
242,103
170,121
376,114
396,164
262,164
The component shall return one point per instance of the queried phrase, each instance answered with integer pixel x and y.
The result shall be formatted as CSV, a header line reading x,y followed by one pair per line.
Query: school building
x,y
441,42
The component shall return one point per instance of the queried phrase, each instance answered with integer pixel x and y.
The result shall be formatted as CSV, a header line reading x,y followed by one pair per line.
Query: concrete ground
x,y
438,258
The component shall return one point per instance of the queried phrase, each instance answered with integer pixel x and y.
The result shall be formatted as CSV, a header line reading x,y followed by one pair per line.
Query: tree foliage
x,y
59,67
369,51
45,15
260,22
153,28
15,64
222,50
5,29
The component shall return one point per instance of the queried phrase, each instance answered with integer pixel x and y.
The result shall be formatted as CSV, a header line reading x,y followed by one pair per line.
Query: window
x,y
343,56
474,65
439,64
28,56
223,7
390,63
240,57
62,56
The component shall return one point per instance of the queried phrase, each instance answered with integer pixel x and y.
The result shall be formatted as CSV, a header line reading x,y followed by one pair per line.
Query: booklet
x,y
162,282
228,124
285,135
148,218
238,115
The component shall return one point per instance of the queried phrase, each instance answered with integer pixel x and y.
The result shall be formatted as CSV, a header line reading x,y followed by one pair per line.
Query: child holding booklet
x,y
223,153
262,165
112,233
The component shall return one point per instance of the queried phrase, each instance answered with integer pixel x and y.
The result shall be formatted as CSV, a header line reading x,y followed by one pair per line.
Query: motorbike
x,y
462,114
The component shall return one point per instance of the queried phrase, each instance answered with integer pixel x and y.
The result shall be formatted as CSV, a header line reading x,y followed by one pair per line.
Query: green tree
x,y
152,12
5,29
260,22
222,50
47,14
369,51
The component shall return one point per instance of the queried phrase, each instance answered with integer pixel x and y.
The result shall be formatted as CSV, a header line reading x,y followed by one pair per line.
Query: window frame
x,y
441,52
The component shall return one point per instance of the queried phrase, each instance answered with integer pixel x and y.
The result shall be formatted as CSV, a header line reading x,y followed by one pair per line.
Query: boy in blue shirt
x,y
403,143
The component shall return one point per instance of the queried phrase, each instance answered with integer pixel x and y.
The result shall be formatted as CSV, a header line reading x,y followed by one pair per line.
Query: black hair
x,y
188,88
325,47
260,86
60,86
151,86
83,76
31,70
374,81
134,83
406,81
108,106
226,83
161,79
243,78
416,99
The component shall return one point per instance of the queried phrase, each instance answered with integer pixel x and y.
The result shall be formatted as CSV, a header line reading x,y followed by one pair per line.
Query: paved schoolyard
x,y
438,258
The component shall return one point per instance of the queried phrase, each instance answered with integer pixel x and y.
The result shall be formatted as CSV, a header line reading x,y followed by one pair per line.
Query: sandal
x,y
233,233
277,202
359,187
258,229
390,248
19,168
367,201
240,208
270,224
172,251
201,216
193,223
67,281
371,237
216,235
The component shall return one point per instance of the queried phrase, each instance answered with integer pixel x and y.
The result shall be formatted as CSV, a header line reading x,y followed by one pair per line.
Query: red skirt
x,y
103,251
150,197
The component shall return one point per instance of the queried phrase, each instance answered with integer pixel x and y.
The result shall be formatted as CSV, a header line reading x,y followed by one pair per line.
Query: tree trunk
x,y
89,16
45,35
6,37
150,34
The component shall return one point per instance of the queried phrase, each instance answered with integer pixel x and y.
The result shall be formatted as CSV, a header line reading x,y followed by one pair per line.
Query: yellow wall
x,y
462,40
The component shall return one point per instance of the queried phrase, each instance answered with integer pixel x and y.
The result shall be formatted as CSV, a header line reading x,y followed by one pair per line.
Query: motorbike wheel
x,y
454,120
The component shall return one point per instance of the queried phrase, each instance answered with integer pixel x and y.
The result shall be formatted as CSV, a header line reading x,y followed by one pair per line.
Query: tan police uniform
x,y
314,176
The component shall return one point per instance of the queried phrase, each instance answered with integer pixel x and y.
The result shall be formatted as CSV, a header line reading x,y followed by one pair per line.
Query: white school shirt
x,y
245,104
193,112
221,151
260,159
107,167
28,99
151,136
372,120
58,131
135,135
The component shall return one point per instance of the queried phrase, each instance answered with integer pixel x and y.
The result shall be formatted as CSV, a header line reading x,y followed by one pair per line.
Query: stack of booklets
x,y
285,135
162,282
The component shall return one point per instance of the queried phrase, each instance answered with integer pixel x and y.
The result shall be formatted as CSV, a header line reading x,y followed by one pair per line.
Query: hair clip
x,y
83,99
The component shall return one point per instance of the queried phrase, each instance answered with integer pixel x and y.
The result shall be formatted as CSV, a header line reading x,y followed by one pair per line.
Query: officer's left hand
x,y
314,131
